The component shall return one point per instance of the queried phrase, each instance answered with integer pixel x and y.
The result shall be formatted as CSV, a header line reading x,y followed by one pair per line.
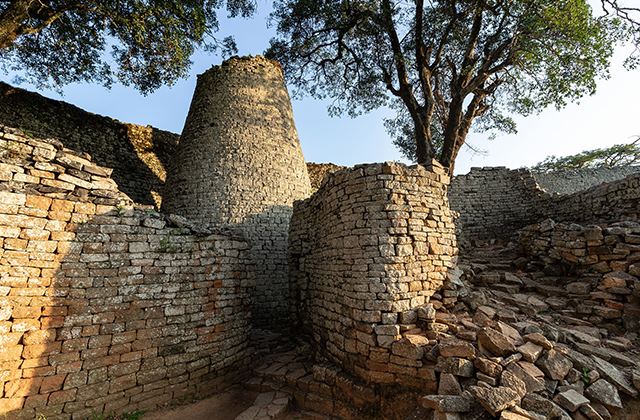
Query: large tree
x,y
56,42
446,66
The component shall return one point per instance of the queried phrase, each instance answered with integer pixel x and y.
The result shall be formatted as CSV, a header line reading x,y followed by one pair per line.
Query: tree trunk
x,y
450,146
424,148
12,22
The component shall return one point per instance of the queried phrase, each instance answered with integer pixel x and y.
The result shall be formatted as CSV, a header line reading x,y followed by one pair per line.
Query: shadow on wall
x,y
267,236
138,155
105,308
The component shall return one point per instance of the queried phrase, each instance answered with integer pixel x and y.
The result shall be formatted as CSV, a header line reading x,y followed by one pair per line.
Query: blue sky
x,y
612,116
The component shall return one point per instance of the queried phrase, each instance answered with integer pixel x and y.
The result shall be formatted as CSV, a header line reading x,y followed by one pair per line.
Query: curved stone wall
x,y
368,251
239,164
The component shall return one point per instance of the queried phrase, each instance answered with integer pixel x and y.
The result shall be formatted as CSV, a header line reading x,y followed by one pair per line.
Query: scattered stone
x,y
588,350
510,380
449,385
538,404
539,339
511,333
573,376
487,311
455,366
488,367
579,288
495,400
590,412
635,376
441,415
456,348
496,342
602,410
527,414
554,364
446,403
530,351
582,337
613,375
510,415
604,393
571,400
513,358
532,383
579,360
426,313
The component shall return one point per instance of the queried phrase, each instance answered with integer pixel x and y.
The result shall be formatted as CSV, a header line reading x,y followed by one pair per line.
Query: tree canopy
x,y
616,155
445,66
57,42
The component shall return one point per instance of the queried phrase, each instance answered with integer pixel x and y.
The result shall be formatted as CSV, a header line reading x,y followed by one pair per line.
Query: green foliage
x,y
134,415
446,67
167,246
150,42
616,155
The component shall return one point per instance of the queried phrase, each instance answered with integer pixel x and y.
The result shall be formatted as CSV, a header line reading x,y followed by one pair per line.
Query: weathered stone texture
x,y
495,202
239,164
371,246
107,307
138,155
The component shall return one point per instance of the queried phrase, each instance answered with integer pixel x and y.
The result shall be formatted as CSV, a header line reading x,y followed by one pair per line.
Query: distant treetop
x,y
616,155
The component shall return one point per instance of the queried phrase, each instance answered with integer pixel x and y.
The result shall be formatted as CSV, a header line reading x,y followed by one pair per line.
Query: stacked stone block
x,y
107,308
608,254
571,181
367,252
137,154
494,202
239,164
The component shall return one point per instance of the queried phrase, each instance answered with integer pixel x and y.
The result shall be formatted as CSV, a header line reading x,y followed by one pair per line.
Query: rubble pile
x,y
506,350
603,261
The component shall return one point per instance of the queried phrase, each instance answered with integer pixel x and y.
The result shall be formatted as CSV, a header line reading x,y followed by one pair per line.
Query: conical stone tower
x,y
239,164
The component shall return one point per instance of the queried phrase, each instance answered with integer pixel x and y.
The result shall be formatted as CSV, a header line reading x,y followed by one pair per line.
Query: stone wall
x,y
106,307
569,182
497,201
138,155
367,252
612,250
615,201
239,164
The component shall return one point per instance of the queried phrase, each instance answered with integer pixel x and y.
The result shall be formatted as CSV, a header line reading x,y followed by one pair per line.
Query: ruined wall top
x,y
138,155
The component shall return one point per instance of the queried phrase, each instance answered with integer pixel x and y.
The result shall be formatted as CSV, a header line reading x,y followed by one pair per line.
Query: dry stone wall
x,y
239,164
611,250
569,182
495,202
367,252
104,307
137,154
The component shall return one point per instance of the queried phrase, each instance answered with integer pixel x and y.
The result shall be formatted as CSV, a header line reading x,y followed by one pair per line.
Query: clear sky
x,y
612,116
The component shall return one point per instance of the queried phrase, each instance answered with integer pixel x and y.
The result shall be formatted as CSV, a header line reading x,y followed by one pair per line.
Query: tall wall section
x,y
138,155
103,307
367,252
239,164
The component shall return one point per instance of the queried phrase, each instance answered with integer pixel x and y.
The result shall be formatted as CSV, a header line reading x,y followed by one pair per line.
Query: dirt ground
x,y
224,406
